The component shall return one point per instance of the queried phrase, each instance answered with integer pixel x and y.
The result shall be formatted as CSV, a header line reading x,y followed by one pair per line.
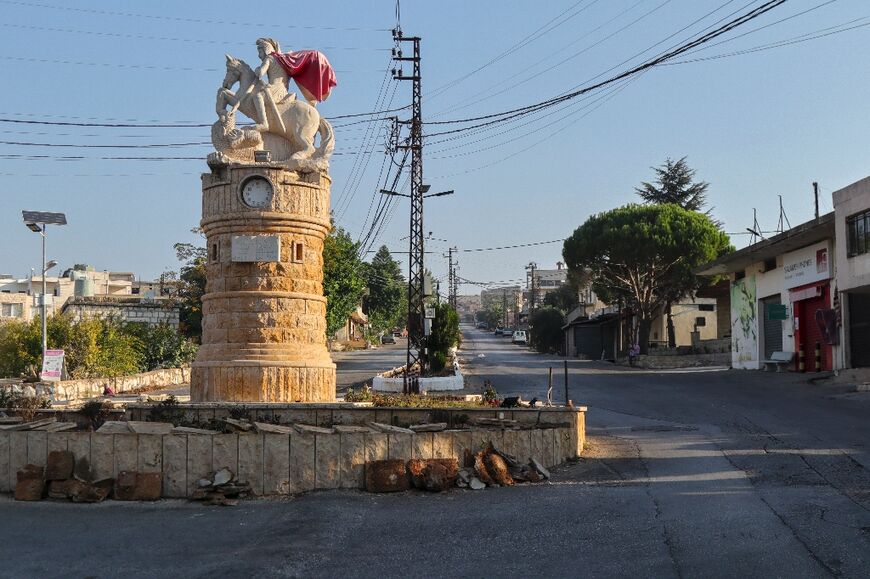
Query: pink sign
x,y
52,366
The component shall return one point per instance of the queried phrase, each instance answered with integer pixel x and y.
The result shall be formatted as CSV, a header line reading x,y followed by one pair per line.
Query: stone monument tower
x,y
265,214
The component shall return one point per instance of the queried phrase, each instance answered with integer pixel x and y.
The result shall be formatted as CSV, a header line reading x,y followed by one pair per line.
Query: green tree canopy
x,y
444,335
564,298
387,292
642,255
343,281
190,287
545,329
675,184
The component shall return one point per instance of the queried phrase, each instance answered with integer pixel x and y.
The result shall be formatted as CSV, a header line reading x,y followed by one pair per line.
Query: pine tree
x,y
675,184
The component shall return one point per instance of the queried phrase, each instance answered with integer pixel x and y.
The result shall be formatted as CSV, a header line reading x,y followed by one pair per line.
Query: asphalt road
x,y
687,474
357,367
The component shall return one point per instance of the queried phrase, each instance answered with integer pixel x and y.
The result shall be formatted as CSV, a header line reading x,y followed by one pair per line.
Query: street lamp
x,y
33,220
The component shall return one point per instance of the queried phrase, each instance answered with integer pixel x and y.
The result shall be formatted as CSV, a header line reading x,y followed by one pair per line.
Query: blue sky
x,y
754,125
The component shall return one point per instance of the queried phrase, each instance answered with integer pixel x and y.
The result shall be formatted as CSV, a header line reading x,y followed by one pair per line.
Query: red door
x,y
808,332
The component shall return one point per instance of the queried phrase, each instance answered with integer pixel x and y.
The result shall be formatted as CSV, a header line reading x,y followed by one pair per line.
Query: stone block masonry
x,y
278,464
264,322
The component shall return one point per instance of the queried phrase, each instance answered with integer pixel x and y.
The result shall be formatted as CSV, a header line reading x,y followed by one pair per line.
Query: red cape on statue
x,y
311,71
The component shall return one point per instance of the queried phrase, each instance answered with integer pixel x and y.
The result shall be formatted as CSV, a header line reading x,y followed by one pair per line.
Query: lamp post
x,y
38,221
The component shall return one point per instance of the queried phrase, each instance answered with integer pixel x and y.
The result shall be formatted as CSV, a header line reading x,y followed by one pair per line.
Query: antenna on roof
x,y
783,218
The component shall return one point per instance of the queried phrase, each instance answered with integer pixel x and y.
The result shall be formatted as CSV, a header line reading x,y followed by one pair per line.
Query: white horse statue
x,y
288,129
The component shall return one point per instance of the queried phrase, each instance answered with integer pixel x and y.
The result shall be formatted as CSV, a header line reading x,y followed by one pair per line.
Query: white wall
x,y
852,272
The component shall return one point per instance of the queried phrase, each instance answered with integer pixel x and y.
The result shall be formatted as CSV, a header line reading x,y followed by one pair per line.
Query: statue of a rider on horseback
x,y
286,125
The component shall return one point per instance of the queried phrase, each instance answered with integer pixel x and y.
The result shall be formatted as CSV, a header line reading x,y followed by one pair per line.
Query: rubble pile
x,y
65,478
17,423
491,467
221,489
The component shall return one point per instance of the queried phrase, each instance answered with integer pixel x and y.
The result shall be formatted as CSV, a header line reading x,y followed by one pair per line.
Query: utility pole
x,y
816,194
452,282
531,267
504,314
416,252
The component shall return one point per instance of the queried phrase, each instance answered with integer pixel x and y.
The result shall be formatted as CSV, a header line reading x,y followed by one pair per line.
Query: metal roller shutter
x,y
772,330
859,329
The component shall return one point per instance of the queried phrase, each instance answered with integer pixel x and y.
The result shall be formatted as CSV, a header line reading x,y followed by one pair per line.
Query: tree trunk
x,y
672,333
643,335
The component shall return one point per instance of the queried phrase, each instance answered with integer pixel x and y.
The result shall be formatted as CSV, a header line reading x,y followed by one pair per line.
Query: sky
x,y
755,124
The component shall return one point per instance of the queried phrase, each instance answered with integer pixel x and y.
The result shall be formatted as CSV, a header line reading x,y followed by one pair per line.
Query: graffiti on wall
x,y
744,316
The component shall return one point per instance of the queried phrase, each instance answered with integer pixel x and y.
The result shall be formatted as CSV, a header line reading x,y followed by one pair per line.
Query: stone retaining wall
x,y
72,390
277,464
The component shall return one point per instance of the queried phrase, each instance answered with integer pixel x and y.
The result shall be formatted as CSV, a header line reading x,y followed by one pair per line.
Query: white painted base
x,y
440,384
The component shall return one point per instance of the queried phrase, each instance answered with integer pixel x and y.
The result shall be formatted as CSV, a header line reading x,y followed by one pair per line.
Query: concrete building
x,y
852,225
782,299
85,292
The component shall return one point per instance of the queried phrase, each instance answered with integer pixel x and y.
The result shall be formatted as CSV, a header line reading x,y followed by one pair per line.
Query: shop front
x,y
807,275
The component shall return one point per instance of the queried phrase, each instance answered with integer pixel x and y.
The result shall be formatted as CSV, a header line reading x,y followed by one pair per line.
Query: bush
x,y
439,360
93,348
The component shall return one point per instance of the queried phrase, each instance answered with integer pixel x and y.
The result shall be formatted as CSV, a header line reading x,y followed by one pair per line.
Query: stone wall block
x,y
175,465
56,441
421,445
150,453
225,452
400,446
523,448
79,443
17,455
251,461
327,464
302,463
276,464
5,480
102,456
442,445
509,442
537,450
462,441
198,458
354,417
37,448
126,452
353,460
377,446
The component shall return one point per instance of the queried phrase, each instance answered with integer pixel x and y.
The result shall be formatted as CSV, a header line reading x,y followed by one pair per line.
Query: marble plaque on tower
x,y
247,248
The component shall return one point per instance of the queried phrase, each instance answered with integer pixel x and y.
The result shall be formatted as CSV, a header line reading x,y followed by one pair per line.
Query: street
x,y
711,473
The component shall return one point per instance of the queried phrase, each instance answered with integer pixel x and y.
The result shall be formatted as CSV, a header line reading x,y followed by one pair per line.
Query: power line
x,y
164,38
506,115
192,20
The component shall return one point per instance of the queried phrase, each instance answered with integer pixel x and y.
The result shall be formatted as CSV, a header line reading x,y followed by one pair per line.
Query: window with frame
x,y
858,233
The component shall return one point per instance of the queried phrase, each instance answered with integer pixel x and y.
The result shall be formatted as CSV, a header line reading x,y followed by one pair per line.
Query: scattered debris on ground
x,y
489,467
221,489
65,478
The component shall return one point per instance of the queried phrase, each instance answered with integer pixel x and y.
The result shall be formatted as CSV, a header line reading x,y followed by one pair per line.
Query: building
x,y
543,281
782,297
511,300
852,225
467,307
86,293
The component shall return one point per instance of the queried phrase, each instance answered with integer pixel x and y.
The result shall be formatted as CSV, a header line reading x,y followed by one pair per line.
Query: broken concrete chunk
x,y
82,492
189,430
540,468
30,489
309,429
386,476
150,427
28,425
114,427
350,429
498,469
272,428
480,468
390,428
239,425
203,483
476,484
83,470
138,486
60,465
222,477
435,427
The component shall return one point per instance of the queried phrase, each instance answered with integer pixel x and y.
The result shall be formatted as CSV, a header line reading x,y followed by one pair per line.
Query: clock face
x,y
257,192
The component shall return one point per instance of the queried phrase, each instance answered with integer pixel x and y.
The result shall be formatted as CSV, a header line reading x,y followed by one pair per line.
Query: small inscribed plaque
x,y
256,248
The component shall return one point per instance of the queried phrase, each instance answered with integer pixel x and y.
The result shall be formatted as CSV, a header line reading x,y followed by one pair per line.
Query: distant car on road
x,y
388,339
520,337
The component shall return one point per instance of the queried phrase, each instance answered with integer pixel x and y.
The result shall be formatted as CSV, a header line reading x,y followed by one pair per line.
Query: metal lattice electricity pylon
x,y
416,267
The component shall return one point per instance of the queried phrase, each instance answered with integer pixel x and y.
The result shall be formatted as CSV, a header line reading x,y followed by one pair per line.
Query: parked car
x,y
520,337
388,339
499,331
